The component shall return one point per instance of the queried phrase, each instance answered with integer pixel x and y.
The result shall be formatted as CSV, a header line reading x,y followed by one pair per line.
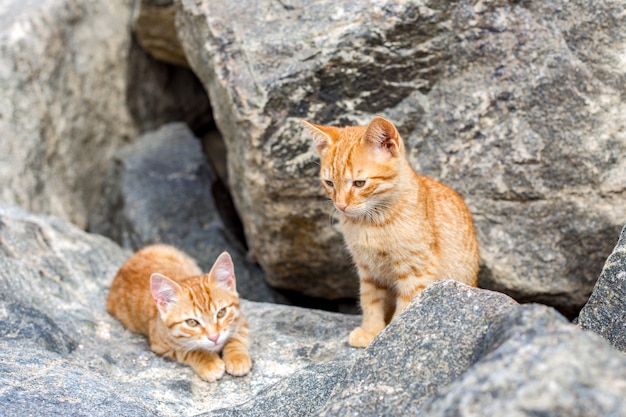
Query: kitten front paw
x,y
212,370
238,365
360,338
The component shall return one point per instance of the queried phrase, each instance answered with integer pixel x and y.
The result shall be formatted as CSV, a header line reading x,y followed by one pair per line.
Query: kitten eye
x,y
192,322
359,183
329,183
221,313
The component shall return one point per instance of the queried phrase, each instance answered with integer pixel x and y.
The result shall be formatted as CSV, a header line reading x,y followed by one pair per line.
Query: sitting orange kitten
x,y
188,316
404,230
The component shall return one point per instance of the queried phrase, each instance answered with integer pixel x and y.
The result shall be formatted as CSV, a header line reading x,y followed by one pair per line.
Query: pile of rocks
x,y
517,105
456,350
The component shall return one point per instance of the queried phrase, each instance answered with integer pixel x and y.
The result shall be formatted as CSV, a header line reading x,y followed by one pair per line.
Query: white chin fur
x,y
208,345
354,212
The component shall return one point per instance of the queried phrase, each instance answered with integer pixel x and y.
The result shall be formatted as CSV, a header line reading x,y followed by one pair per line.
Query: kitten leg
x,y
208,365
373,305
408,288
235,353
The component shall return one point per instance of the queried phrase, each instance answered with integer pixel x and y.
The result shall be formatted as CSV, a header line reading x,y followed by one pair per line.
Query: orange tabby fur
x,y
404,230
188,316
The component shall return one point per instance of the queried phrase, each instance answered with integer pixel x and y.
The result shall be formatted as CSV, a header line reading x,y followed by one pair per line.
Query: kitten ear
x,y
223,271
383,134
320,136
163,291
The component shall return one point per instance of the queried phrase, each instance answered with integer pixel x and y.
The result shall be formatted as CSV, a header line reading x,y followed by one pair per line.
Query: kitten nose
x,y
213,337
341,206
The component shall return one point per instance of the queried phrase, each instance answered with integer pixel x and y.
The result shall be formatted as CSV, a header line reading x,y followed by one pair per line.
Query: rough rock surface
x,y
63,114
160,190
517,105
605,312
439,337
536,363
455,351
459,351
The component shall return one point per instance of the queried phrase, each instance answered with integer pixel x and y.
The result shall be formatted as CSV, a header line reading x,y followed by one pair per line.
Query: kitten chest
x,y
385,252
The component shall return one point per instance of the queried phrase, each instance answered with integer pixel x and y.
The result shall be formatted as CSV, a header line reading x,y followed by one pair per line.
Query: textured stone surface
x,y
63,111
517,105
62,354
301,394
537,364
436,339
159,190
459,351
455,351
605,312
38,382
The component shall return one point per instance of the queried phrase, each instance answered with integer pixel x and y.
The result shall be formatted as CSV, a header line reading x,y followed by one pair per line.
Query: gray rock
x,y
536,363
160,191
64,355
459,351
301,394
63,113
440,335
37,382
512,104
22,323
455,351
160,93
605,312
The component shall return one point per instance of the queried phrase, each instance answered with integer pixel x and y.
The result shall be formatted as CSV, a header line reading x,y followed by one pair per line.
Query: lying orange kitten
x,y
160,292
404,230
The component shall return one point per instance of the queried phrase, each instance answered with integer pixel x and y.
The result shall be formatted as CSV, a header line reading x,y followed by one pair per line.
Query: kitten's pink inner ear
x,y
383,134
224,271
320,138
163,291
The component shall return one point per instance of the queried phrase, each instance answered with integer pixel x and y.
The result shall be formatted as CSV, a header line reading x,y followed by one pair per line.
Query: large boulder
x,y
459,351
161,189
605,311
517,105
537,363
63,113
437,339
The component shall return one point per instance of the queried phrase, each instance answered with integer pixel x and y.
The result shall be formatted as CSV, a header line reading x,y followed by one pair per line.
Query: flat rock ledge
x,y
455,351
